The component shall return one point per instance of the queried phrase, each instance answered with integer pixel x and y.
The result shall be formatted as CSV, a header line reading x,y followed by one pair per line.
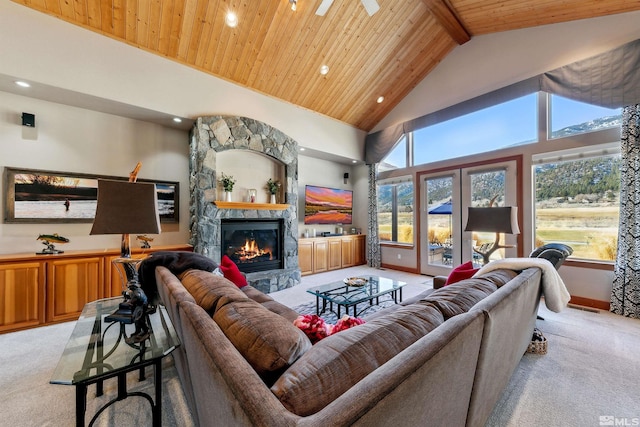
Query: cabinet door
x,y
359,250
305,257
320,256
72,283
21,295
347,252
335,254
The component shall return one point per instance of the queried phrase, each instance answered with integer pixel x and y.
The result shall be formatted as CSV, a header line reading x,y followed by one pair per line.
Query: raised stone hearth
x,y
213,134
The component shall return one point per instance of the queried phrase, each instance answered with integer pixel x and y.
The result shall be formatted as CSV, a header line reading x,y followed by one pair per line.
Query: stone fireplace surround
x,y
213,134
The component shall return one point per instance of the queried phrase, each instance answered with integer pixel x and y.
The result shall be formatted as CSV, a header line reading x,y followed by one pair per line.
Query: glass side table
x,y
98,350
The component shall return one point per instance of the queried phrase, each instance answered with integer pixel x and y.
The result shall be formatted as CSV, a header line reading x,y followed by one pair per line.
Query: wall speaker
x,y
29,119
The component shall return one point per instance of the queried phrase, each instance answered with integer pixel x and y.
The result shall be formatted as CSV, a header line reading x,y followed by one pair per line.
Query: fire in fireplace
x,y
254,245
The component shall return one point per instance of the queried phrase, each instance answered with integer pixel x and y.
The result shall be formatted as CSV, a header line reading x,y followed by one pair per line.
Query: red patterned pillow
x,y
461,272
231,272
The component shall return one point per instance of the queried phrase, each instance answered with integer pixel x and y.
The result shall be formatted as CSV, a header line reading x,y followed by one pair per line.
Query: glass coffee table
x,y
354,291
99,349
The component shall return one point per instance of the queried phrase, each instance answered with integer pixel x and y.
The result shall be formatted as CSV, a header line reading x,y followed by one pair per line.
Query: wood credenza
x,y
319,254
37,290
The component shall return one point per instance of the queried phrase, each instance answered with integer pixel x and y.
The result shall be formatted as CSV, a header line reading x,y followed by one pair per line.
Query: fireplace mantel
x,y
256,206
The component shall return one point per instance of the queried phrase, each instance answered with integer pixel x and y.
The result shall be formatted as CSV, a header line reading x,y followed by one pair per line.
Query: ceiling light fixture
x,y
177,119
23,84
380,99
231,19
324,69
294,4
354,161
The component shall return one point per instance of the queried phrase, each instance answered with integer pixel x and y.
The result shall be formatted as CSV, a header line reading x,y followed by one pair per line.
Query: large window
x,y
570,117
395,212
577,203
510,123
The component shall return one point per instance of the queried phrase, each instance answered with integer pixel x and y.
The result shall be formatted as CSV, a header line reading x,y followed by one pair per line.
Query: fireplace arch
x,y
213,134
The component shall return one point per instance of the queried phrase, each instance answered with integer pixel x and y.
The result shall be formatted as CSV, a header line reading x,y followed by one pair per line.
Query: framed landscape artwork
x,y
37,196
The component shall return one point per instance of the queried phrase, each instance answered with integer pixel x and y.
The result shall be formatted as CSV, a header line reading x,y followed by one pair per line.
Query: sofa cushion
x,y
268,341
255,294
210,291
231,272
461,272
459,297
339,361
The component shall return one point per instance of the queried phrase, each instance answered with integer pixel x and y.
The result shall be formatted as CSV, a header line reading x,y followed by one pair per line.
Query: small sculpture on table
x,y
48,240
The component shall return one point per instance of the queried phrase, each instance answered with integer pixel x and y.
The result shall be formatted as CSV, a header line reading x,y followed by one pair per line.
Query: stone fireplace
x,y
214,134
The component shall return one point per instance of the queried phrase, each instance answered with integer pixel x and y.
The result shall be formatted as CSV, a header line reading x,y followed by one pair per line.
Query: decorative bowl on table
x,y
355,281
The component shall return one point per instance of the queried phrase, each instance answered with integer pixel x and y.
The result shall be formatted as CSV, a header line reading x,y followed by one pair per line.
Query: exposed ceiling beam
x,y
449,20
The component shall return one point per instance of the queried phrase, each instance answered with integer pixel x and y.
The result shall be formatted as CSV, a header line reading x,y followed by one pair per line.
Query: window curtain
x,y
373,247
625,295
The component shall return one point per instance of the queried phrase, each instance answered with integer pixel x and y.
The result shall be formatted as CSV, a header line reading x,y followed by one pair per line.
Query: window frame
x,y
394,183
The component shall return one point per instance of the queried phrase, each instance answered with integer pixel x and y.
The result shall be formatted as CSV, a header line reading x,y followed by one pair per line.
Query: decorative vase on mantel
x,y
272,199
227,196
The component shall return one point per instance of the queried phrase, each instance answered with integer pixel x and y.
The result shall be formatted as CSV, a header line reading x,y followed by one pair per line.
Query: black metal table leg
x,y
81,404
157,408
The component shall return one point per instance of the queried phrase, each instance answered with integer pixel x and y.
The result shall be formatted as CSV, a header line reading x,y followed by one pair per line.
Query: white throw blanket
x,y
556,295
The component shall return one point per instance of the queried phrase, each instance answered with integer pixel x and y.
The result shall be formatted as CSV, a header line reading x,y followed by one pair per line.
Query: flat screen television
x,y
323,205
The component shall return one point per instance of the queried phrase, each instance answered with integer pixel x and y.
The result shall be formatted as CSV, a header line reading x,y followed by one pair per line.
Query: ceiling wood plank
x,y
449,20
142,27
278,52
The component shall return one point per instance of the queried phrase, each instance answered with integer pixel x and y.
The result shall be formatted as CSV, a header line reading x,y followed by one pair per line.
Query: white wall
x,y
69,139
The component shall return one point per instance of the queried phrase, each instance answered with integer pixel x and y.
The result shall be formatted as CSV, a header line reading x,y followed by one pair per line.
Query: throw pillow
x,y
231,272
461,272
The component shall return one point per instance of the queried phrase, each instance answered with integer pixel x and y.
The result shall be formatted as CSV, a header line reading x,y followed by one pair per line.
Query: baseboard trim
x,y
400,268
588,302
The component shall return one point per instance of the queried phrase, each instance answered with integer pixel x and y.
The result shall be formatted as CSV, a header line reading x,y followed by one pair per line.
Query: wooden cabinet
x,y
38,289
305,256
335,254
319,254
21,295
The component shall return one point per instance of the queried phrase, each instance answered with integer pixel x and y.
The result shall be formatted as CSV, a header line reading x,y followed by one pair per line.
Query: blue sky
x,y
495,127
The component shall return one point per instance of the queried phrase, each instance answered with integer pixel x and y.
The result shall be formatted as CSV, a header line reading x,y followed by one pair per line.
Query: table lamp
x,y
126,208
498,220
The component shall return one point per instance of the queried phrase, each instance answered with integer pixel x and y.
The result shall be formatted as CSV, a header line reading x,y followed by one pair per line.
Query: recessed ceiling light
x,y
23,84
354,161
231,19
380,99
302,148
324,69
177,119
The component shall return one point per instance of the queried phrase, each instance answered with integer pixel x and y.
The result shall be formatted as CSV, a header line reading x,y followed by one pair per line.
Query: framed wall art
x,y
39,196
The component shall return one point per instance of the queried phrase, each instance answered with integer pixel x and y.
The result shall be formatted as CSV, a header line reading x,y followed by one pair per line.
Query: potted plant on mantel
x,y
227,182
272,188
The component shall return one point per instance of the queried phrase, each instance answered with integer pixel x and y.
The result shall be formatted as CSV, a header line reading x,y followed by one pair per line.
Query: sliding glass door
x,y
445,198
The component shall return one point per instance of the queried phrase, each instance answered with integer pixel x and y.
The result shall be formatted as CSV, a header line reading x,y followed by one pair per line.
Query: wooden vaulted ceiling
x,y
278,52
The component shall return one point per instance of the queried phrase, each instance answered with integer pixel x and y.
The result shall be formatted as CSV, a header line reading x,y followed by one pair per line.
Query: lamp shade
x,y
498,220
126,208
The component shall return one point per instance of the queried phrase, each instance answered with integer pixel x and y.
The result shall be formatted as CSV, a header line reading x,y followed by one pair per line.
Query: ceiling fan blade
x,y
324,6
371,6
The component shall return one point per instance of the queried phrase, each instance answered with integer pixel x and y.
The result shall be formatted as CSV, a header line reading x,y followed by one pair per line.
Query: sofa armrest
x,y
439,281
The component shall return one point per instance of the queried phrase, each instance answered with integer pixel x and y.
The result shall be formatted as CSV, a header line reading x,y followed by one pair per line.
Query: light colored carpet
x,y
591,370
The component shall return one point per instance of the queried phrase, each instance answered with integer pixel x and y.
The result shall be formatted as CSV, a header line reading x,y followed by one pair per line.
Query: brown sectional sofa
x,y
441,358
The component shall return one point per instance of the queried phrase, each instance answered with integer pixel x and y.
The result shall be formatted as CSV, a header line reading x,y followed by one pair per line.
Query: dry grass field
x,y
592,232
